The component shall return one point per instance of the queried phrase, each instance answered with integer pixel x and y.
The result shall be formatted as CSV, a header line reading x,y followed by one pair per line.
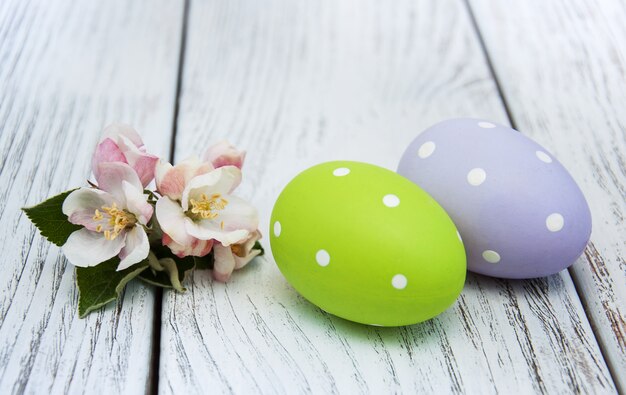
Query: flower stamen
x,y
206,208
118,220
97,216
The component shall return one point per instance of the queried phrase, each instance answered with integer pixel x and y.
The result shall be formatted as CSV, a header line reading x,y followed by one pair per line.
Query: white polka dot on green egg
x,y
391,200
366,244
322,257
277,229
399,281
341,171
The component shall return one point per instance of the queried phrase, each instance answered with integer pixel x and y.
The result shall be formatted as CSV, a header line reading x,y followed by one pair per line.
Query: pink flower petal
x,y
121,143
144,166
115,130
171,180
224,154
106,151
197,247
112,174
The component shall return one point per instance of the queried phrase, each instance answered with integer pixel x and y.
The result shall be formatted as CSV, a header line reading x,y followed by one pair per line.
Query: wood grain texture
x,y
66,70
562,67
298,83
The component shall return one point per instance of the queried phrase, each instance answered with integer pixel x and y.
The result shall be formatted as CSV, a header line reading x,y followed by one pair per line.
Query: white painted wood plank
x,y
298,83
66,70
562,68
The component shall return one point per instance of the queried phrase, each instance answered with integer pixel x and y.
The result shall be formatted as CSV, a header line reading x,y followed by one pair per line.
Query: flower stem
x,y
172,269
154,263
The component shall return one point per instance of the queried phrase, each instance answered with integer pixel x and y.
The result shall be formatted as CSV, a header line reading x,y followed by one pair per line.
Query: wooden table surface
x,y
297,83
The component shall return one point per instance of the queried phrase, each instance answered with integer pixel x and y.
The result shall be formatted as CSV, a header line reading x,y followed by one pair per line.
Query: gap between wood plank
x,y
612,370
179,79
153,383
492,71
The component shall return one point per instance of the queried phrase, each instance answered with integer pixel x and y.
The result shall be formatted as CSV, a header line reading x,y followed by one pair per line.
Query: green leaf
x,y
48,217
162,278
101,284
258,246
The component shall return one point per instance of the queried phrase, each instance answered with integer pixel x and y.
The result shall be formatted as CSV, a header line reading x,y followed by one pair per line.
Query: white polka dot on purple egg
x,y
486,125
426,149
476,176
555,222
543,157
506,188
491,256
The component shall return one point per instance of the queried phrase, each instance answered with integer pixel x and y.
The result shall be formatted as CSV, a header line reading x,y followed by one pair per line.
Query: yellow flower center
x,y
115,219
207,207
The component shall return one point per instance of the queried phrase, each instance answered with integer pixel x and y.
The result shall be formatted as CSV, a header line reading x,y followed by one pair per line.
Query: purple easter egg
x,y
518,211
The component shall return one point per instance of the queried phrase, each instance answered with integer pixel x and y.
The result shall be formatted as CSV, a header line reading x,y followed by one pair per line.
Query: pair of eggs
x,y
380,248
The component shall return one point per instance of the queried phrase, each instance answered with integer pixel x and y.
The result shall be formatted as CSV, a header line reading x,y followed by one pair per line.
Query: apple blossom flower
x,y
224,154
234,257
206,210
113,219
121,143
171,180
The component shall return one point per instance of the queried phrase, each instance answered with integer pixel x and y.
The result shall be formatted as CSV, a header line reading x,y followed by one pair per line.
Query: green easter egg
x,y
365,244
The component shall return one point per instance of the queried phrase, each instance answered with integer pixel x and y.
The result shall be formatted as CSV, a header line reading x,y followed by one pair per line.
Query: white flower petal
x,y
209,229
248,253
111,175
243,261
86,199
81,205
160,171
224,262
220,181
238,214
117,130
172,220
129,147
85,248
136,248
136,202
